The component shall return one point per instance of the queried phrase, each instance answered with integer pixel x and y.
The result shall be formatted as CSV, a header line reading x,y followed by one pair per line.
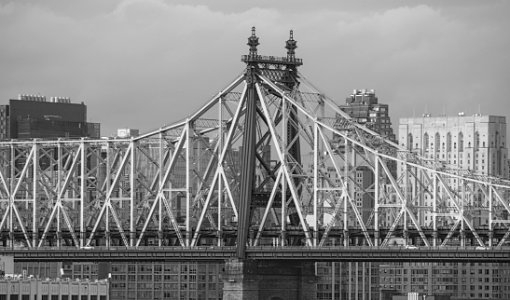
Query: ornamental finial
x,y
291,46
253,42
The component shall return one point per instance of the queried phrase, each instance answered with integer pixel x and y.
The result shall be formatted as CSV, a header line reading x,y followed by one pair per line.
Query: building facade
x,y
31,117
28,288
364,108
458,281
347,280
167,281
356,280
475,143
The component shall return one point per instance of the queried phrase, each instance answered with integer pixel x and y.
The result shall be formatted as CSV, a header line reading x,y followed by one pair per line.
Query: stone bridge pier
x,y
269,280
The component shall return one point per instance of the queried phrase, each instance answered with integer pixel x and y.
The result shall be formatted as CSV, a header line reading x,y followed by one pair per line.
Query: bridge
x,y
298,254
267,169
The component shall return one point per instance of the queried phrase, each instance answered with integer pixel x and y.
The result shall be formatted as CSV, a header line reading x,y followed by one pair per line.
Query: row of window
x,y
447,144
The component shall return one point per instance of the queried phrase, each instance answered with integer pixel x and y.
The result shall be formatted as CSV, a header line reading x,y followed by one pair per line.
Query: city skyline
x,y
134,62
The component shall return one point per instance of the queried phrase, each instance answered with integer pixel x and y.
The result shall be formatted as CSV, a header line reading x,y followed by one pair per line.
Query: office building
x,y
356,280
167,280
31,117
125,133
364,108
475,143
455,280
30,288
347,280
38,269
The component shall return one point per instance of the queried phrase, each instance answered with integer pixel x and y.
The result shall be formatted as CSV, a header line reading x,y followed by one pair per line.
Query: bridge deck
x,y
352,254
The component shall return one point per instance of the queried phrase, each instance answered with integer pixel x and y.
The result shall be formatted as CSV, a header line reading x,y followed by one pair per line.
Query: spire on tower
x,y
291,46
253,42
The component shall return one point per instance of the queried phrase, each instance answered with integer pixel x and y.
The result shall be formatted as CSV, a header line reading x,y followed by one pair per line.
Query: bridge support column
x,y
269,280
83,239
107,238
346,238
160,238
59,238
490,237
35,238
377,237
462,238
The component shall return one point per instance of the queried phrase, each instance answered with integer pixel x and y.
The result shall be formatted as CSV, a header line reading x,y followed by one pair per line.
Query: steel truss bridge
x,y
268,165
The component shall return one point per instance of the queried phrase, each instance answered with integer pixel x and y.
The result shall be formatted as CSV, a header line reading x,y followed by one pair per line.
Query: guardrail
x,y
424,254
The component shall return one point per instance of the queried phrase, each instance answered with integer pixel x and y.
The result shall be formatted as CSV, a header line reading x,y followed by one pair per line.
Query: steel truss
x,y
179,185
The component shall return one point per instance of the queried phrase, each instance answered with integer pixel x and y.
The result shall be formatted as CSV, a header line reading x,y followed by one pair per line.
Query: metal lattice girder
x,y
319,180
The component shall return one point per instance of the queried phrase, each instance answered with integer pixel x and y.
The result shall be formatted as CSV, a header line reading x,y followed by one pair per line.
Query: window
x,y
410,141
426,142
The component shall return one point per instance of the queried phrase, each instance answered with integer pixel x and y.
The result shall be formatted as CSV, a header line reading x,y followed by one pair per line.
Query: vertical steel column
x,y
34,193
59,187
352,186
247,164
12,194
159,198
82,192
491,233
132,194
404,203
461,216
376,199
346,192
283,149
108,187
220,163
315,182
434,209
60,173
188,184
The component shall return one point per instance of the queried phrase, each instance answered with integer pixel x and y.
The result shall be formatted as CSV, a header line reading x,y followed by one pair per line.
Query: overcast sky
x,y
145,63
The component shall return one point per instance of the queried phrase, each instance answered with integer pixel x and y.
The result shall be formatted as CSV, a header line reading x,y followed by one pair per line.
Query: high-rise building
x,y
31,117
364,107
456,280
166,280
475,143
357,280
28,288
347,280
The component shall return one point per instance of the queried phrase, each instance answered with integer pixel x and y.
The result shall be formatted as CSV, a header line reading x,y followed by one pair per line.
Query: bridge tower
x,y
282,72
248,279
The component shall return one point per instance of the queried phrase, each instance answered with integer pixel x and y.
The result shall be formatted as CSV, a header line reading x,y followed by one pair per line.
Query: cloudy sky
x,y
145,63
